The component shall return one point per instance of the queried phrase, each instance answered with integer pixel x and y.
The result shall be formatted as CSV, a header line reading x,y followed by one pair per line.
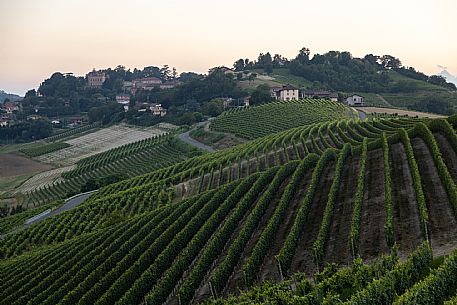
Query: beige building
x,y
95,79
285,93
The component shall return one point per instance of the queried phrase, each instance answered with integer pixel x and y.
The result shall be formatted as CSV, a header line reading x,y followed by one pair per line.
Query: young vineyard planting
x,y
336,212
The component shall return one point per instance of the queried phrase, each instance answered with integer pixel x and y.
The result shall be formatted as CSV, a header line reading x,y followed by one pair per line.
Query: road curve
x,y
69,204
186,138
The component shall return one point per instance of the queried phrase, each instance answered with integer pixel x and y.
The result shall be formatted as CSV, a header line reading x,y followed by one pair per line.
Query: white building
x,y
354,100
285,93
157,109
123,99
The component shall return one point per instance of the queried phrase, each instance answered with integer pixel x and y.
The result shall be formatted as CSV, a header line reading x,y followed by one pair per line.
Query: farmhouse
x,y
158,110
285,93
354,100
324,94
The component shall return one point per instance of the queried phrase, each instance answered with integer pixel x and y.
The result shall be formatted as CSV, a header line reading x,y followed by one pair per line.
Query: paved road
x,y
69,204
186,138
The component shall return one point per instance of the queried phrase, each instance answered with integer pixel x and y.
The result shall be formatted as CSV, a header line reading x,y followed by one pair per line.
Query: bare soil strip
x,y
292,153
282,156
303,258
301,150
442,223
448,154
407,232
373,217
337,249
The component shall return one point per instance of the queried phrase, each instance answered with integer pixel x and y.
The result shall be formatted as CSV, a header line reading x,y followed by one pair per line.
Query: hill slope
x,y
301,198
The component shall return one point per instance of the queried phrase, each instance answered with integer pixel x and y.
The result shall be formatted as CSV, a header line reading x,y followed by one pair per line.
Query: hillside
x,y
86,156
401,92
12,97
297,199
254,122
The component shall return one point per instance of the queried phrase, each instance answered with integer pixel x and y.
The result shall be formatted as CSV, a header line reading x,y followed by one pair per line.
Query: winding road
x,y
187,139
69,204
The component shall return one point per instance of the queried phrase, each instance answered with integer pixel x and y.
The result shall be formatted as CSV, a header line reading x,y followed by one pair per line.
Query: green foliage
x,y
322,237
354,236
403,276
422,131
417,181
389,226
220,276
262,120
44,149
25,131
257,256
435,287
286,254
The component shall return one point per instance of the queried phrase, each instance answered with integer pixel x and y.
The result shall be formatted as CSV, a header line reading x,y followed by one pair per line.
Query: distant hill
x,y
449,77
12,97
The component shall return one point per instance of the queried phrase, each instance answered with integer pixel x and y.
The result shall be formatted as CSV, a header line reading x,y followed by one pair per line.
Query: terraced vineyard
x,y
128,160
294,201
254,122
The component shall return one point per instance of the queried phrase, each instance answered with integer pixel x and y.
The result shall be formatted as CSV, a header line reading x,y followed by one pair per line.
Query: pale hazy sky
x,y
38,38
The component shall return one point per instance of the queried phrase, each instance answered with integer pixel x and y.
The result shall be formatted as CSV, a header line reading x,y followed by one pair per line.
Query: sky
x,y
38,38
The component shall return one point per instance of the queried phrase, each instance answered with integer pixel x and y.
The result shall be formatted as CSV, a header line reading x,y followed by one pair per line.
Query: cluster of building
x,y
148,83
95,79
289,92
155,108
7,114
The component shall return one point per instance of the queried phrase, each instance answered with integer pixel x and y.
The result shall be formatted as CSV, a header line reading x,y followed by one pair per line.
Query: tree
x,y
264,60
390,62
165,72
261,95
434,104
268,68
303,56
174,73
213,108
239,65
30,93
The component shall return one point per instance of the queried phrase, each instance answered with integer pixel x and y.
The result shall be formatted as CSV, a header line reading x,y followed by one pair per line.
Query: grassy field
x,y
8,184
